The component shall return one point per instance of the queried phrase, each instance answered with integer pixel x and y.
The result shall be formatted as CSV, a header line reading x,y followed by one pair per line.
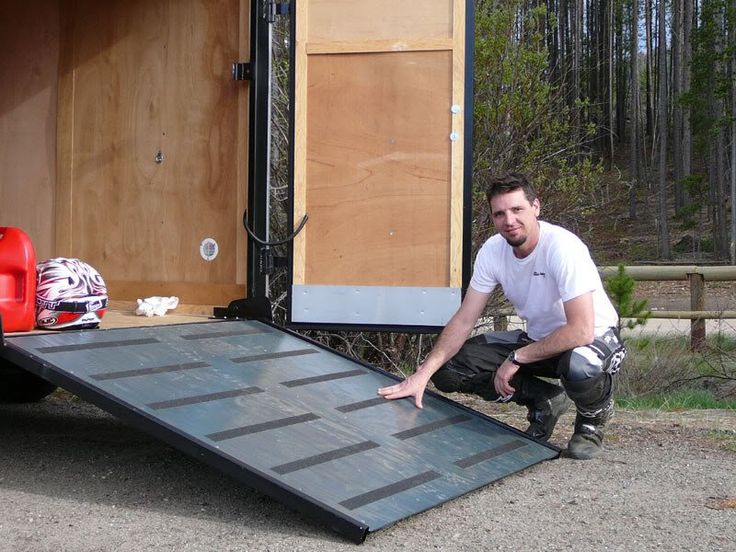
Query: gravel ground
x,y
73,478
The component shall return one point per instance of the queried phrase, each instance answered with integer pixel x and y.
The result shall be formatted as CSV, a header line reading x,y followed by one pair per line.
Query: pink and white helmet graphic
x,y
70,294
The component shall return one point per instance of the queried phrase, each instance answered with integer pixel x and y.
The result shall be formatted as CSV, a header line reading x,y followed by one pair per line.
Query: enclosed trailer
x,y
135,135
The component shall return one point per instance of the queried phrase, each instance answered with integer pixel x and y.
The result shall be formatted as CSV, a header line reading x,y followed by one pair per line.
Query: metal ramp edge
x,y
285,415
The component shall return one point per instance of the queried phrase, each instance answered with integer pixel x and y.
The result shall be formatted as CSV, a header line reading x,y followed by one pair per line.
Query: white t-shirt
x,y
559,269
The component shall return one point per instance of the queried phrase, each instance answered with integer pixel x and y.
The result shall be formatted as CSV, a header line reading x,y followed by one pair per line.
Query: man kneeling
x,y
547,274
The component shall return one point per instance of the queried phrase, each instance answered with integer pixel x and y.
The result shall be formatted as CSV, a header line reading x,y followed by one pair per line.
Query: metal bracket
x,y
268,262
242,71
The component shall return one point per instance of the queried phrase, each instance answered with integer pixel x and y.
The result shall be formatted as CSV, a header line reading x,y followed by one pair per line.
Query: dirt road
x,y
73,478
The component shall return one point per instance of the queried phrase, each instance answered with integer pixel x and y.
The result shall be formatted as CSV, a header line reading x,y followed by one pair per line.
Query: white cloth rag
x,y
158,306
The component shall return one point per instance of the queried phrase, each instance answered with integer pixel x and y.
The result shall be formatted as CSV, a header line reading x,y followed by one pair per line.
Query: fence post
x,y
697,303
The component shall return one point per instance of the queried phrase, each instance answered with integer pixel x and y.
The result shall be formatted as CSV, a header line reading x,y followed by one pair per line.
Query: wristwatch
x,y
513,360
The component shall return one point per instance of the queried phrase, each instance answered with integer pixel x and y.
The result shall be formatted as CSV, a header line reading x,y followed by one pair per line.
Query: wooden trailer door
x,y
379,161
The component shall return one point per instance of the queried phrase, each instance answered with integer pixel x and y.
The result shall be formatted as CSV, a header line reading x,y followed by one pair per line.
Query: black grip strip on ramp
x,y
196,399
432,426
352,407
488,454
257,428
269,356
317,459
215,335
97,345
325,377
148,371
389,490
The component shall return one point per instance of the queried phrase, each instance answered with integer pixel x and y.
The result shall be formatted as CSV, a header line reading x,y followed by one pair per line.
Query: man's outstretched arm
x,y
449,343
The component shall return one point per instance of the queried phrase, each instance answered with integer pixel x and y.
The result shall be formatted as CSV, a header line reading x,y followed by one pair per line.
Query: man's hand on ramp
x,y
413,386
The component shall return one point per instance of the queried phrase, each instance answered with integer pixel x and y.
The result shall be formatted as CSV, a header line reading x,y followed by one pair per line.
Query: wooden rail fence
x,y
697,276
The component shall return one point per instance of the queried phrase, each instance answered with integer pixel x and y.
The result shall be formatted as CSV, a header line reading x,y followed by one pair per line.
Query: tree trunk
x,y
634,140
553,46
592,58
565,56
664,237
609,78
687,133
732,34
676,107
621,77
721,176
718,162
648,30
577,30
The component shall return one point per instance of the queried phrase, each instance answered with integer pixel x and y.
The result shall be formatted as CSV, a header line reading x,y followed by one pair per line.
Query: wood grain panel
x,y
378,169
150,77
299,260
358,20
458,146
29,57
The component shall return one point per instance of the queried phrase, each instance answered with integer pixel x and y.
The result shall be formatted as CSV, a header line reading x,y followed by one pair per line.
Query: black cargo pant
x,y
586,373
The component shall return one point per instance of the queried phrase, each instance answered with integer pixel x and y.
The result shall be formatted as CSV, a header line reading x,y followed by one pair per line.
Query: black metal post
x,y
468,154
258,146
256,304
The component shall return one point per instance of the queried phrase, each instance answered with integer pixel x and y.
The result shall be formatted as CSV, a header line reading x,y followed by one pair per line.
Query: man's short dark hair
x,y
510,183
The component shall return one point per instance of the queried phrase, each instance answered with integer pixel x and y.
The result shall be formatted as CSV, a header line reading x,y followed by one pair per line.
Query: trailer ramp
x,y
285,415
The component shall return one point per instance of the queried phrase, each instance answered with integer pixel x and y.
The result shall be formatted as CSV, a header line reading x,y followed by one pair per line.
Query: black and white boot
x,y
587,441
593,398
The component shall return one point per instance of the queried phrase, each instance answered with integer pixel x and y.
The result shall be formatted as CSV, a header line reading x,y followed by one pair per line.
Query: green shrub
x,y
620,289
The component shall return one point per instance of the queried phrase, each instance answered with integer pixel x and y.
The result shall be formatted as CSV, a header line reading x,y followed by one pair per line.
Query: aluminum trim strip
x,y
375,305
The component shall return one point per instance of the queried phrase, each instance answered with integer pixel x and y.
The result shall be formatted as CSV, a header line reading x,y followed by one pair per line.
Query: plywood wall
x,y
378,170
151,136
29,58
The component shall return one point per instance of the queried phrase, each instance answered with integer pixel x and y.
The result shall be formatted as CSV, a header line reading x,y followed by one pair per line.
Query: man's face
x,y
515,218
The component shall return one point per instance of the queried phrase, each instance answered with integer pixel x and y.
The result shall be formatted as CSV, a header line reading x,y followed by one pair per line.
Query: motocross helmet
x,y
70,294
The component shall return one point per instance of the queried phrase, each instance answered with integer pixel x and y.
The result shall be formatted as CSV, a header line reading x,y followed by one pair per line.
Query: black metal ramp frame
x,y
284,415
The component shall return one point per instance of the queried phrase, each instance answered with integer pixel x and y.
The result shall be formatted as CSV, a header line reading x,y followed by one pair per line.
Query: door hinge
x,y
274,8
241,71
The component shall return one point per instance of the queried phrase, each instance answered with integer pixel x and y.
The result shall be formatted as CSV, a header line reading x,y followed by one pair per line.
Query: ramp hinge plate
x,y
253,308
